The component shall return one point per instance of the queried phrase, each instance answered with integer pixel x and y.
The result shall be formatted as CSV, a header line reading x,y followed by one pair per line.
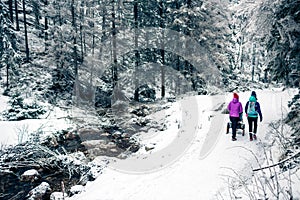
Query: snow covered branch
x,y
279,163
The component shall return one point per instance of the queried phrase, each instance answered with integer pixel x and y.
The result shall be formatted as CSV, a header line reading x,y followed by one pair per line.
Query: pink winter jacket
x,y
235,108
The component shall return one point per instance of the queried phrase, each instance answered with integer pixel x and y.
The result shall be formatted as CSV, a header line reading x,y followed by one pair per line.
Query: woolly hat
x,y
252,99
253,93
235,96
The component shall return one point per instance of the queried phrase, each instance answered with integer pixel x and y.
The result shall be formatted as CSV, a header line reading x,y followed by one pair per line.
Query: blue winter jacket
x,y
257,108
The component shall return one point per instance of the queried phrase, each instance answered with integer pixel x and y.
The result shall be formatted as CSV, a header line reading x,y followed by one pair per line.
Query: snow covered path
x,y
204,165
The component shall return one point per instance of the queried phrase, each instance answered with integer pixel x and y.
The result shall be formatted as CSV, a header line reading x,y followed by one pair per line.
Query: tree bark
x,y
26,36
74,39
162,51
137,55
253,62
114,33
82,41
178,83
11,12
240,53
46,26
36,11
17,15
93,27
7,76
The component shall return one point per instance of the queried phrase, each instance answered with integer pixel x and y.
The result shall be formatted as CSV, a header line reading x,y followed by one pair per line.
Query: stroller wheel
x,y
243,133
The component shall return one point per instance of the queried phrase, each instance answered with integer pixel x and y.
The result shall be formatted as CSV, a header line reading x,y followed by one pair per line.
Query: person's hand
x,y
261,119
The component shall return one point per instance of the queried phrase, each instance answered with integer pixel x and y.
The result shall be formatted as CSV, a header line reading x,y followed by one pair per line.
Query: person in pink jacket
x,y
235,112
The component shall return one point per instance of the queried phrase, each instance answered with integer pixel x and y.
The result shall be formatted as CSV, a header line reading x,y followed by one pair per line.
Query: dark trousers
x,y
234,123
251,121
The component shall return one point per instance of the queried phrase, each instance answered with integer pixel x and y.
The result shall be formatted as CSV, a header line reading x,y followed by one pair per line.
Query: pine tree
x,y
283,45
62,48
8,51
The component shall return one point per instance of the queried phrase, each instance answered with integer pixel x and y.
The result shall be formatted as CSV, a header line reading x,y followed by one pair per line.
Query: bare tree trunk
x,y
253,62
93,36
287,73
46,26
25,30
187,32
60,21
103,35
74,39
17,15
178,83
163,86
36,12
93,40
242,58
162,51
82,42
11,12
137,55
114,33
240,53
7,76
266,76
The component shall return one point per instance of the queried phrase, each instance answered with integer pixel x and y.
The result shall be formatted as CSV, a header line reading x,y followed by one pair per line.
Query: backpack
x,y
251,109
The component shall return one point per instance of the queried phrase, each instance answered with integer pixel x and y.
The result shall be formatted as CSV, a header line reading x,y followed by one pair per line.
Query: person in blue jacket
x,y
252,110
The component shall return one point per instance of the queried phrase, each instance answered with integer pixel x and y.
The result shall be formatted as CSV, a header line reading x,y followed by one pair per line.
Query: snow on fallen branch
x,y
9,165
279,163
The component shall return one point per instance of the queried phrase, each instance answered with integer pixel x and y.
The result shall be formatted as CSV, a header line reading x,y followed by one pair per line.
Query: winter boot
x,y
250,135
254,136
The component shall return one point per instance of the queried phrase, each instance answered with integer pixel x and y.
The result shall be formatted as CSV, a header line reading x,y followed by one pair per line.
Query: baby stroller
x,y
240,125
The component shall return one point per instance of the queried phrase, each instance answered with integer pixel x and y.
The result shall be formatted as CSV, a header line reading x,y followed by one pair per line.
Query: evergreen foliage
x,y
284,44
70,41
9,57
20,109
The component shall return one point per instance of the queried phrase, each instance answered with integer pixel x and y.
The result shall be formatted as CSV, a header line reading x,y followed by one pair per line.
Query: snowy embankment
x,y
15,132
193,158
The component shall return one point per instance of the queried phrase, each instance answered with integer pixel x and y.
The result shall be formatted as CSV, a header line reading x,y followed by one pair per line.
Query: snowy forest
x,y
98,70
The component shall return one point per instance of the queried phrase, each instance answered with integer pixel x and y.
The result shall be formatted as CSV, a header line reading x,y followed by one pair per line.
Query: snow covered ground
x,y
192,159
205,161
14,132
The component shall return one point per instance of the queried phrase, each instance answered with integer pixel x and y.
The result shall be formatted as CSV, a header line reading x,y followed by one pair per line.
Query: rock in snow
x,y
57,196
39,191
30,175
76,189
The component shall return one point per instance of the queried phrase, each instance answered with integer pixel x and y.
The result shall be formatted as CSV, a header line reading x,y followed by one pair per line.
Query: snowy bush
x,y
293,118
20,109
42,163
